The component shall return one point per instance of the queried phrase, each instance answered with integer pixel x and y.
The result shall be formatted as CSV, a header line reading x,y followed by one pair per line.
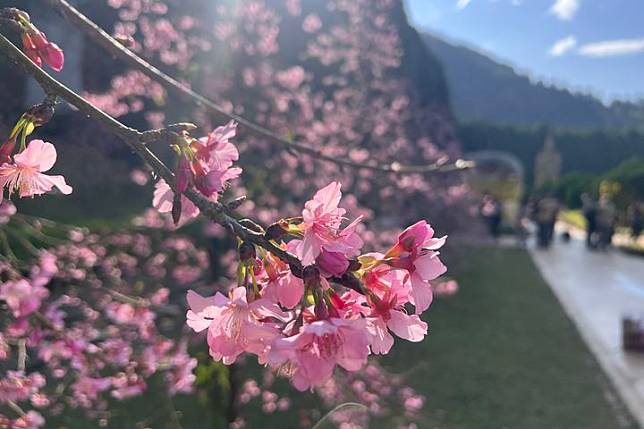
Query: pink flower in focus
x,y
233,324
282,285
416,253
318,347
26,176
389,291
322,219
215,150
22,297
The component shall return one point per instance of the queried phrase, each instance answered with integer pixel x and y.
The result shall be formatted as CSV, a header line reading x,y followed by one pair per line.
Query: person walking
x,y
635,218
546,216
589,208
606,214
490,210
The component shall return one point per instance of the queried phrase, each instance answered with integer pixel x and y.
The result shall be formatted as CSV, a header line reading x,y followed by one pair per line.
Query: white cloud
x,y
562,46
608,48
565,9
462,4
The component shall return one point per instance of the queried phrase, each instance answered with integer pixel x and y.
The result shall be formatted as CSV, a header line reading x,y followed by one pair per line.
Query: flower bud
x,y
39,39
30,49
275,232
6,150
311,275
321,310
247,251
176,209
53,57
183,175
333,263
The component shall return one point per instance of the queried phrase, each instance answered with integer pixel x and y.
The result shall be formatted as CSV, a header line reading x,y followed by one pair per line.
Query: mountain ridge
x,y
482,88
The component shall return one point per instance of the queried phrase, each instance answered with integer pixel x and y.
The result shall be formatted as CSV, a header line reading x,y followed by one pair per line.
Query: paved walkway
x,y
596,289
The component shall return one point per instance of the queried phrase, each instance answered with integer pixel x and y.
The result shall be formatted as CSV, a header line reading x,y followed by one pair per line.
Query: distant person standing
x,y
635,218
490,210
606,214
589,207
546,215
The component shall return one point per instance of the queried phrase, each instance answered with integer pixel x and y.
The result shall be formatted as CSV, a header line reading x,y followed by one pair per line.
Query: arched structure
x,y
500,174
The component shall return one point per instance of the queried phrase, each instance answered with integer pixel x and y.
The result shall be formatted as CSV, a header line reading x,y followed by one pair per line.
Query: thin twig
x,y
22,355
117,50
16,408
6,247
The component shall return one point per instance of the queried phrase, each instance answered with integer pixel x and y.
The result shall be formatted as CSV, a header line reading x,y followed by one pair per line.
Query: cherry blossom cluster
x,y
89,312
85,324
205,164
335,311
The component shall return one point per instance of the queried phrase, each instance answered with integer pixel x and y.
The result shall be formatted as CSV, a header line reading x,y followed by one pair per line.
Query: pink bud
x,y
333,263
184,174
40,41
30,49
6,150
54,57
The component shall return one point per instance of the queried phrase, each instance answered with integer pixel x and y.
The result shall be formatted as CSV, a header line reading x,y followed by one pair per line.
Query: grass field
x,y
500,354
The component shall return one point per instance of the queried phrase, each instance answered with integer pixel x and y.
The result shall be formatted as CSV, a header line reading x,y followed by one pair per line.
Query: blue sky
x,y
588,45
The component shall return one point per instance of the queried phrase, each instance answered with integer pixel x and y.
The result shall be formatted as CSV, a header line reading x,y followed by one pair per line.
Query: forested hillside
x,y
482,89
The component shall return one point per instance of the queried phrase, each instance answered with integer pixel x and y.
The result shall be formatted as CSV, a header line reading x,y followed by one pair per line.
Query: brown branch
x,y
136,141
117,50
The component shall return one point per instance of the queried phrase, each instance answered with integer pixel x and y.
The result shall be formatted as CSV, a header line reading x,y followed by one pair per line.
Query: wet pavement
x,y
596,289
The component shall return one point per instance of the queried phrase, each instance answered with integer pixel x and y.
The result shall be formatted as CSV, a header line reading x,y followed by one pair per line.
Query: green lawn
x,y
500,354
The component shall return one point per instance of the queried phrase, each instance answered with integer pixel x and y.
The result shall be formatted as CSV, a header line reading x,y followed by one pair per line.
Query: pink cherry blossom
x,y
233,324
314,352
86,389
7,209
22,297
282,286
416,253
321,223
163,202
31,420
215,150
25,174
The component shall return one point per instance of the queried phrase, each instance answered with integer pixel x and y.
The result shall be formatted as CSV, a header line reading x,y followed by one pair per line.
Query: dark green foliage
x,y
592,152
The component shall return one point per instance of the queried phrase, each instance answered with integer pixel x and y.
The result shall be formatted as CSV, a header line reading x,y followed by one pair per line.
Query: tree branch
x,y
136,141
117,50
